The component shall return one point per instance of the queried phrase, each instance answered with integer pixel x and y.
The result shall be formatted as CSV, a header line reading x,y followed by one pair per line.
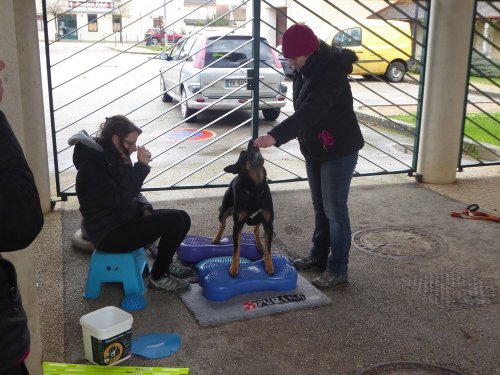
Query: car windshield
x,y
223,47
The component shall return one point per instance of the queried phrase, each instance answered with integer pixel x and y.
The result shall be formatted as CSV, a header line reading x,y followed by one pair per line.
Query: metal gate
x,y
481,127
119,66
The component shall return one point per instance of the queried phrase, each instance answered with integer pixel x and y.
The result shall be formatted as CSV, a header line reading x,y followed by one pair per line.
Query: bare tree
x,y
55,8
121,8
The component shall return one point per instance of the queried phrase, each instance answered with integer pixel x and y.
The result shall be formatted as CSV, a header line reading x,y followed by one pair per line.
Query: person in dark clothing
x,y
21,219
330,138
116,216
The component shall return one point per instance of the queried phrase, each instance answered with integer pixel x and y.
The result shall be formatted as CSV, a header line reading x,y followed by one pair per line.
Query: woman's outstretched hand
x,y
264,141
143,155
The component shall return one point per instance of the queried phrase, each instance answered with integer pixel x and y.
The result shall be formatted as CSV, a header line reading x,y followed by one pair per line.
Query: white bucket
x,y
107,335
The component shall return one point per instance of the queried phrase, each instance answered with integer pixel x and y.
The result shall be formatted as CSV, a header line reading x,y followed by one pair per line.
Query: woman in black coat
x,y
116,216
21,219
329,136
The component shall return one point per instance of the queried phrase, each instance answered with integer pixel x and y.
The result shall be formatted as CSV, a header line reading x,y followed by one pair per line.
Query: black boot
x,y
309,262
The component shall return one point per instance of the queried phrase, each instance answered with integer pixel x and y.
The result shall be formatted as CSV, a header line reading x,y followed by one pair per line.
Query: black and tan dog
x,y
249,200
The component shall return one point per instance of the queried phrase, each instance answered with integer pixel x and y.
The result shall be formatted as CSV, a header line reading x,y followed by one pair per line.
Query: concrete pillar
x,y
445,89
23,106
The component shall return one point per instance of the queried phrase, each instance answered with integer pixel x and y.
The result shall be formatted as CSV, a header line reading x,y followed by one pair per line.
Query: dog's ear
x,y
239,166
231,169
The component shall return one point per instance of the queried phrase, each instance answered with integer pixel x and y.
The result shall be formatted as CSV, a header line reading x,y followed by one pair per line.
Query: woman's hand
x,y
143,155
264,141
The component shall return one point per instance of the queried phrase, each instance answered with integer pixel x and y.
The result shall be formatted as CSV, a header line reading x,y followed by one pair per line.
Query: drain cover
x,y
408,368
398,242
455,290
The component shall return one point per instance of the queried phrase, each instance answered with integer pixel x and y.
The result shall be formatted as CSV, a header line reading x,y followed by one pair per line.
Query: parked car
x,y
377,56
287,68
156,36
204,67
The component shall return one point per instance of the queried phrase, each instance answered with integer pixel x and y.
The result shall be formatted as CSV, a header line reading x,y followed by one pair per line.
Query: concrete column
x,y
445,82
23,106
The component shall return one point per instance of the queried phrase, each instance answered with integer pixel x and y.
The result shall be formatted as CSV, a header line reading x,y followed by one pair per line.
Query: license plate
x,y
235,82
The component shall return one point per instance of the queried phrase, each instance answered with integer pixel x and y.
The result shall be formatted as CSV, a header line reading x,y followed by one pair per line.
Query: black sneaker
x,y
181,272
309,262
169,283
328,279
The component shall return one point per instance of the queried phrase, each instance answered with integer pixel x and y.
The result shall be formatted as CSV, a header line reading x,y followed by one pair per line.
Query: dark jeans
x,y
329,183
20,369
171,226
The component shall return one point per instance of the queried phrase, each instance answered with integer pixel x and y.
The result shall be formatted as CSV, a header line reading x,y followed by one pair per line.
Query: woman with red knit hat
x,y
330,138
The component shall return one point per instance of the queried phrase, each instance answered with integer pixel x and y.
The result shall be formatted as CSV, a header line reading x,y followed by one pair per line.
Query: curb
x,y
136,52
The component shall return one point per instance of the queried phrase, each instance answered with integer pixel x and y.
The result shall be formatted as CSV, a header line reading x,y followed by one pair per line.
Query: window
x,y
186,49
348,38
222,47
39,22
92,22
117,23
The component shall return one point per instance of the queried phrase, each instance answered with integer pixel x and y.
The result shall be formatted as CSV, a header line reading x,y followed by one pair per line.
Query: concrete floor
x,y
377,318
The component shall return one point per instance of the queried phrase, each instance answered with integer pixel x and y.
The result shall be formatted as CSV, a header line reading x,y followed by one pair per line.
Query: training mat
x,y
251,305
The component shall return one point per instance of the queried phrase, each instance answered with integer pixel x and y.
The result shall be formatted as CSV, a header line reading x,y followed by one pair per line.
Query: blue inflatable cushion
x,y
225,260
218,285
156,345
196,248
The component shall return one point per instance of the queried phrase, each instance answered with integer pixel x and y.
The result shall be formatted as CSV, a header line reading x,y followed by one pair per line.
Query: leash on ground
x,y
472,212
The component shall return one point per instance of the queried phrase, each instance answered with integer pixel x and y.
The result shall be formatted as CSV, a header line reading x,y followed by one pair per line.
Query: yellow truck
x,y
383,47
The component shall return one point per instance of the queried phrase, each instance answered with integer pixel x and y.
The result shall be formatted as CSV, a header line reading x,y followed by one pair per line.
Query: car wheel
x,y
185,110
154,41
163,90
395,72
271,114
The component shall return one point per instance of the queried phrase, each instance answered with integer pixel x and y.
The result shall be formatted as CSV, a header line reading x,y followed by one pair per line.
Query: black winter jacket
x,y
324,120
21,219
108,190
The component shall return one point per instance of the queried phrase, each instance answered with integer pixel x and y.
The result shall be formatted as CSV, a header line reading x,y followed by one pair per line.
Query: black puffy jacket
x,y
324,120
21,219
108,190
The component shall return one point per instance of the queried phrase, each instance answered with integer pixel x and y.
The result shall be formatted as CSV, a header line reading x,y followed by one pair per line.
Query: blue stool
x,y
126,268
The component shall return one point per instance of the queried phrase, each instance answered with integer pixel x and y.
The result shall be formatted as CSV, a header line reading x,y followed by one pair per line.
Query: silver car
x,y
205,67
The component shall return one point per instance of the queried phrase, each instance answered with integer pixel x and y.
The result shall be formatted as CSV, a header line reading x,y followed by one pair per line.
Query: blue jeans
x,y
329,182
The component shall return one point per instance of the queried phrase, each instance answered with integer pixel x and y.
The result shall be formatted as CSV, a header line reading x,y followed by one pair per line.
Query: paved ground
x,y
438,303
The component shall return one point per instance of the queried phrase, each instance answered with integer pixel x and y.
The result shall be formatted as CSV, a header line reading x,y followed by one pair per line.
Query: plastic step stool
x,y
126,268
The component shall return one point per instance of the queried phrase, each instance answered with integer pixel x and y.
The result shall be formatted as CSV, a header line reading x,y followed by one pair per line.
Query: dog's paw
x,y
269,267
233,270
216,240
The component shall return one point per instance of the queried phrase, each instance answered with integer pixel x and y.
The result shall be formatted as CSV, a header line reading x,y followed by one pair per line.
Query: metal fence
x,y
100,63
481,129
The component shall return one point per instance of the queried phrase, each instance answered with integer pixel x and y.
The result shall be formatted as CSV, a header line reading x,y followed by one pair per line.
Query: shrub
x,y
482,67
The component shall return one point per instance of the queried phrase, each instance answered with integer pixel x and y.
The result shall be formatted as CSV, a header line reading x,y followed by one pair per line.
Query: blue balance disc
x,y
196,248
133,302
218,285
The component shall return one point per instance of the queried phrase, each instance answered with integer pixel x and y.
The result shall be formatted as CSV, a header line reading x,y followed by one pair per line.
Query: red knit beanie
x,y
299,40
